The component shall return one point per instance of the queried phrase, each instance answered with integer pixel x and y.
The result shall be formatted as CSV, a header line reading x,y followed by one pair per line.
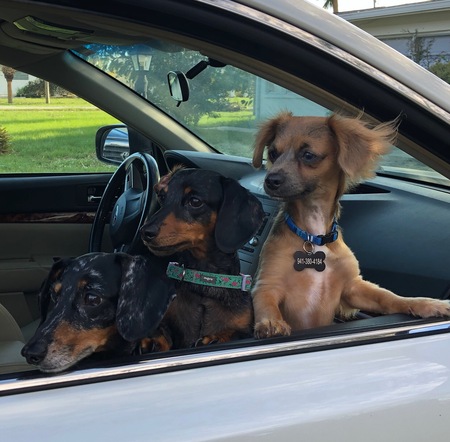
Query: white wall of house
x,y
20,79
396,25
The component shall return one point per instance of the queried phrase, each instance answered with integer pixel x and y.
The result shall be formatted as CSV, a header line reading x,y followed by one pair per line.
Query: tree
x,y
333,3
203,100
9,75
36,89
442,70
419,49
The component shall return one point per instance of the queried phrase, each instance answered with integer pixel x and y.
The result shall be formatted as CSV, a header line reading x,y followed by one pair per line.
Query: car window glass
x,y
401,164
226,105
58,137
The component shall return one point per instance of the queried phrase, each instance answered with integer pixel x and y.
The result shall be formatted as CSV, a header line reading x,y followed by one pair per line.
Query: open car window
x,y
59,137
225,105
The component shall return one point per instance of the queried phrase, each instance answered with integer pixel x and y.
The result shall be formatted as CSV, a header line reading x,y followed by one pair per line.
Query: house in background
x,y
420,31
411,28
20,80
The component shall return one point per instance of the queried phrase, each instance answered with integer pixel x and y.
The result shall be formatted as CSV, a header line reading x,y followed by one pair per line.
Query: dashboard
x,y
372,221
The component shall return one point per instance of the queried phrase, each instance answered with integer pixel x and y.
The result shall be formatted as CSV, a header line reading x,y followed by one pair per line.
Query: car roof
x,y
300,14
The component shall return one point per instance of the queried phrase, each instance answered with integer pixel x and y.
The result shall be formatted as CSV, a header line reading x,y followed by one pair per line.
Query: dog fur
x,y
204,219
312,161
98,302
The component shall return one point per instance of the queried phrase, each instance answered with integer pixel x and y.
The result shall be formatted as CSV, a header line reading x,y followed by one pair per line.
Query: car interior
x,y
396,223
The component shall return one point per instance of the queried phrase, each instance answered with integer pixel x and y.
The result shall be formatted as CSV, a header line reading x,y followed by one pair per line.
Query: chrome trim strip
x,y
10,386
324,46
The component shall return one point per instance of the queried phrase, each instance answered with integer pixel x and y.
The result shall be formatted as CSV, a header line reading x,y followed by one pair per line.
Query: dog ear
x,y
44,297
144,297
239,216
360,147
266,135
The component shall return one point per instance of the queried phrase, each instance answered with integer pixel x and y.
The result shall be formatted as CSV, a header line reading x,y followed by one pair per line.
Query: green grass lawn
x,y
243,119
40,132
239,136
66,102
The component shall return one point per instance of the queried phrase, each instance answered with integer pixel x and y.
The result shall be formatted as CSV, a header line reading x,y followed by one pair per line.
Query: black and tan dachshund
x,y
204,219
99,302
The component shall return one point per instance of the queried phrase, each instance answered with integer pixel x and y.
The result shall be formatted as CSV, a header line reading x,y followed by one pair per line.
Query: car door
x,y
43,215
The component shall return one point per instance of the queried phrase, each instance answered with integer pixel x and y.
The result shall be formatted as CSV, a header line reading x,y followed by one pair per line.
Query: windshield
x,y
225,105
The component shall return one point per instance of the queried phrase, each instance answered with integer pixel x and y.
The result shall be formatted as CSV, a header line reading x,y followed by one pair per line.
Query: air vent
x,y
365,189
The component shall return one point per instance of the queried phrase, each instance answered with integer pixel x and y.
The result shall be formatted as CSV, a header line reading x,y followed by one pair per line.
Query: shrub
x,y
35,89
5,141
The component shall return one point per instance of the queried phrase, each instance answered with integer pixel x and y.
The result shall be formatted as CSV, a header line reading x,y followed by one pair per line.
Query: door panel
x,y
49,194
41,217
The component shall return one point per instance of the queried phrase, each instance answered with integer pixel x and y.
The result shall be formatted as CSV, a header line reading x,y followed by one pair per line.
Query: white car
x,y
374,378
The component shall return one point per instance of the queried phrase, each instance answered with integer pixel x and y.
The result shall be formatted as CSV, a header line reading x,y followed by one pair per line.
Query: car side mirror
x,y
112,144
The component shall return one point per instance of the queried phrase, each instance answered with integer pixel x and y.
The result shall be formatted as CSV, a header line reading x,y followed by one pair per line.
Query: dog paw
x,y
206,340
153,345
268,328
428,308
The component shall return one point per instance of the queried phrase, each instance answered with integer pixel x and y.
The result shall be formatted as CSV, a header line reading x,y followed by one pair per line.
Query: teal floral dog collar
x,y
180,273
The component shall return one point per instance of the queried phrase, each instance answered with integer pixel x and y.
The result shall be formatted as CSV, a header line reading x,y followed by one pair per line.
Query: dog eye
x,y
161,197
195,202
308,157
273,155
54,296
92,299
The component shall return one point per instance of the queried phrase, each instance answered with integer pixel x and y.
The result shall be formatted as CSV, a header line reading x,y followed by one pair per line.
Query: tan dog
x,y
304,282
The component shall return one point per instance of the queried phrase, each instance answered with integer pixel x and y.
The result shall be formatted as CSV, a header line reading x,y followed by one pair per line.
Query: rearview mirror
x,y
111,144
178,86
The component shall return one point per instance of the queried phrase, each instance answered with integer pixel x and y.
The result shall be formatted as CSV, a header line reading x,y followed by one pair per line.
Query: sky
x,y
353,5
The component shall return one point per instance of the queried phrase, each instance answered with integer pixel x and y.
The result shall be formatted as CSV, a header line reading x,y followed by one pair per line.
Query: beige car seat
x,y
11,343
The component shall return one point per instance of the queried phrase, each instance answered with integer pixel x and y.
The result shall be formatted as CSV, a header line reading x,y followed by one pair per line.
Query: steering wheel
x,y
127,201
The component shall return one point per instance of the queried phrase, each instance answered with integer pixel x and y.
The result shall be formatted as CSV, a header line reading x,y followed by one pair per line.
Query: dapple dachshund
x,y
204,219
306,273
98,302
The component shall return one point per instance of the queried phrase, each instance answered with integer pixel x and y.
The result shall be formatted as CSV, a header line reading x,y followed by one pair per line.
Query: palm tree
x,y
333,3
9,75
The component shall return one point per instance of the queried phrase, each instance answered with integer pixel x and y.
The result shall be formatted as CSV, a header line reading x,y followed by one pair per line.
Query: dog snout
x,y
274,180
149,232
34,353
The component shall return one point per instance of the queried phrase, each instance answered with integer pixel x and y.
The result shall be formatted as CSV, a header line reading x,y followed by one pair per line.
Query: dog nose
x,y
149,232
274,180
35,353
